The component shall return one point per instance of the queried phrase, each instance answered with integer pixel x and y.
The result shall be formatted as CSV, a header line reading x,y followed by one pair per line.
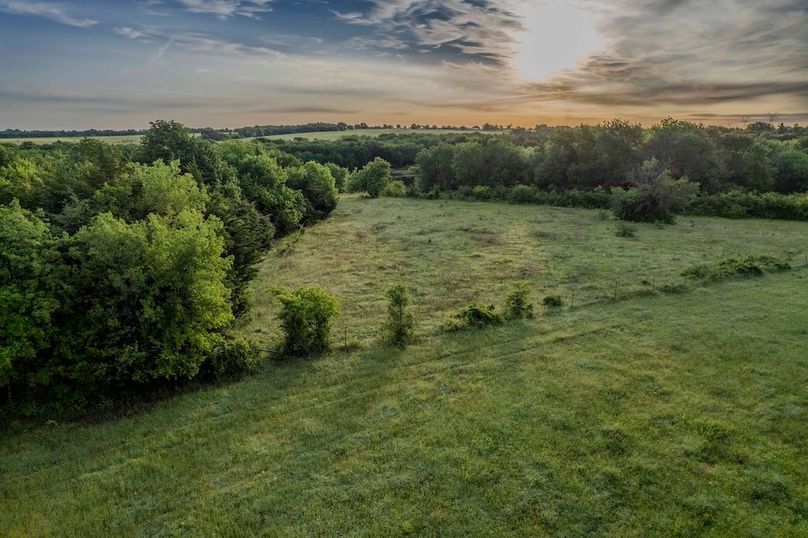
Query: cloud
x,y
194,42
225,9
54,12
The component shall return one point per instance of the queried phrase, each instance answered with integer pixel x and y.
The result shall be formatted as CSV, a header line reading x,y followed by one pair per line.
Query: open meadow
x,y
667,414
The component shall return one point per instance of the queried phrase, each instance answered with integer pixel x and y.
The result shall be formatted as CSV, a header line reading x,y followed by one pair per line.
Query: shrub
x,y
749,266
339,174
305,318
395,189
523,194
231,358
655,196
373,178
399,322
318,187
517,305
482,192
475,316
625,230
552,301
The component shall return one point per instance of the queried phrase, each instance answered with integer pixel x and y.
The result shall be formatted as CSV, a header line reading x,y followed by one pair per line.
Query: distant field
x,y
335,135
325,135
128,139
655,415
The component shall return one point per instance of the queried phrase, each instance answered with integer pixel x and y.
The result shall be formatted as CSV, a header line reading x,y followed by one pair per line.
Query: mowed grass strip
x,y
670,415
449,254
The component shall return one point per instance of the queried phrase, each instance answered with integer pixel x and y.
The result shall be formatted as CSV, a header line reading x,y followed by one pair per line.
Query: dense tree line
x,y
123,268
606,156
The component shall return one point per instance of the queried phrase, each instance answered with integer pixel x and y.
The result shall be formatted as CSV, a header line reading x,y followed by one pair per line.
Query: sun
x,y
558,33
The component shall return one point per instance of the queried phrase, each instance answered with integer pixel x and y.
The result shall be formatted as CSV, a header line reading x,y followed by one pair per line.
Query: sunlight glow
x,y
558,34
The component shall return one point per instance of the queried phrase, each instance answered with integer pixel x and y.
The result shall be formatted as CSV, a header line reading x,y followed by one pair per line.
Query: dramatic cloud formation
x,y
76,63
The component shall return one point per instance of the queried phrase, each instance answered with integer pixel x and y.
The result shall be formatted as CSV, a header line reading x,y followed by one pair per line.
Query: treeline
x,y
123,269
355,151
18,133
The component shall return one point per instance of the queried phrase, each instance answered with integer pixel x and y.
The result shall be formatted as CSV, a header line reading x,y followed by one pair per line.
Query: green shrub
x,y
749,266
517,305
232,357
625,230
400,323
482,192
395,189
475,316
305,318
524,194
552,301
655,196
372,178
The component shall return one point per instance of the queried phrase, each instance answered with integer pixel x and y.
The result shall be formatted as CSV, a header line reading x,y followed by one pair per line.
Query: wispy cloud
x,y
54,12
228,8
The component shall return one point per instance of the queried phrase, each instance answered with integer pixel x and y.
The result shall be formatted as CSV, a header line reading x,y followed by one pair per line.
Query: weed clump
x,y
552,301
475,316
625,230
517,305
731,267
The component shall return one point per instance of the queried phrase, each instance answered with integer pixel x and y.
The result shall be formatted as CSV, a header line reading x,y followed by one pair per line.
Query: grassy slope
x,y
453,253
666,415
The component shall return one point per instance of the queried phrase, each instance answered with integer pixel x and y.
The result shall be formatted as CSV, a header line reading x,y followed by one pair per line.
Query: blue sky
x,y
118,64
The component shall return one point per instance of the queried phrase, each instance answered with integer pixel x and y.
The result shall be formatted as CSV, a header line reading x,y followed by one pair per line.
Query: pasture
x,y
643,414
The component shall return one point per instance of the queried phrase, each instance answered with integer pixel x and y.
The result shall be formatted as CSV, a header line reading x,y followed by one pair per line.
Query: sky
x,y
78,64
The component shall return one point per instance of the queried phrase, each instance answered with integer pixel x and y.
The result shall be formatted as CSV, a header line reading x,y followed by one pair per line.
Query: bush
x,y
655,197
399,322
552,301
749,266
625,230
517,305
318,187
524,194
395,189
305,318
475,316
231,358
373,178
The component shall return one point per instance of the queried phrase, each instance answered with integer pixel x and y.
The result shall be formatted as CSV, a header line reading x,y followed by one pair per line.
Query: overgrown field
x,y
658,414
452,253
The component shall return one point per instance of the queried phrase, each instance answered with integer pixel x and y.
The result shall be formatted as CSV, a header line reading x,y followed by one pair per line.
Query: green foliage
x,y
656,196
148,300
625,230
339,174
395,189
232,357
475,316
791,170
318,187
169,141
400,322
552,301
730,267
490,162
435,168
373,178
247,234
264,183
517,305
306,316
28,292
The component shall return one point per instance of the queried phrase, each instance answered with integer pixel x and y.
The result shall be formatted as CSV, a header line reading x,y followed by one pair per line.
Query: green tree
x,y
27,296
169,141
400,322
655,197
791,171
435,170
372,178
317,185
492,162
339,174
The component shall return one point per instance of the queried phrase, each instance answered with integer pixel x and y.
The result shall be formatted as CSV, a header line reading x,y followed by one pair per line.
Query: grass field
x,y
655,415
336,135
124,139
325,135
